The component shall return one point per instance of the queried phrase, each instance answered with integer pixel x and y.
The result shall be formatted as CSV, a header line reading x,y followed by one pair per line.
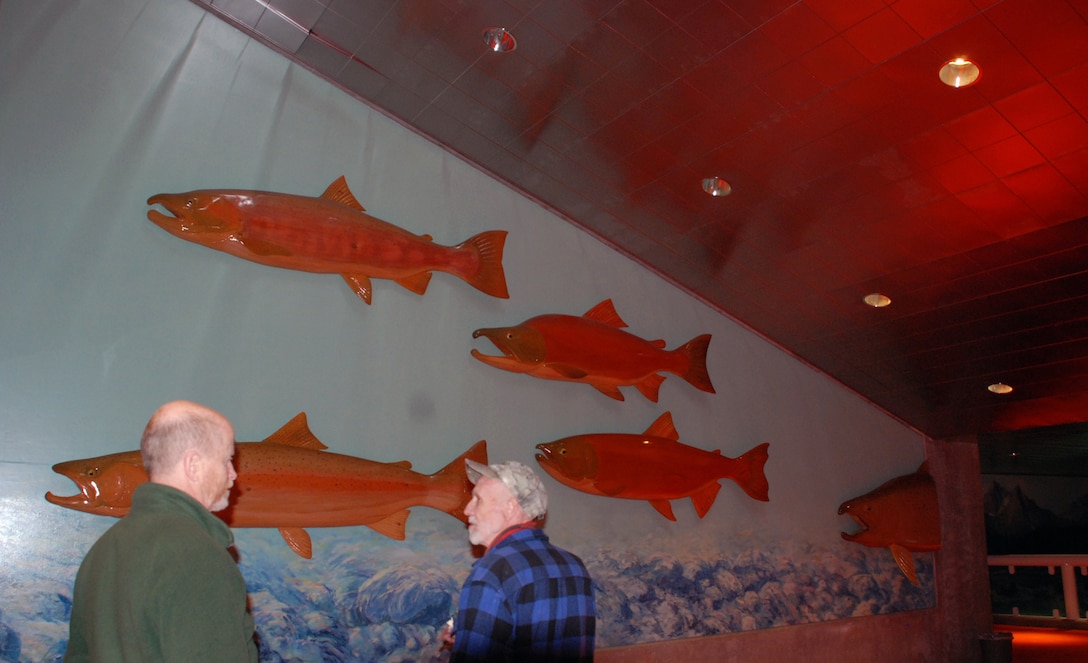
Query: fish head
x,y
901,512
523,348
570,460
105,483
199,216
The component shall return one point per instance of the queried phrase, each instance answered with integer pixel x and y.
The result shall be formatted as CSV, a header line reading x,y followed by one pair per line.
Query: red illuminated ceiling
x,y
854,170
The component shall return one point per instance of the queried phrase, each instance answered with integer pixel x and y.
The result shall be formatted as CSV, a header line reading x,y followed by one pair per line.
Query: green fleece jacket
x,y
160,585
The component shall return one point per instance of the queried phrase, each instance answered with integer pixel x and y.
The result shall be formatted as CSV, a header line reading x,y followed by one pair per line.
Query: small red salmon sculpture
x,y
653,466
290,483
330,234
900,515
593,349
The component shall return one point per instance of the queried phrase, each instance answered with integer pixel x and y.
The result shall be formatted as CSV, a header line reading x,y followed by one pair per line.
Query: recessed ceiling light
x,y
499,40
877,300
1000,388
716,186
959,72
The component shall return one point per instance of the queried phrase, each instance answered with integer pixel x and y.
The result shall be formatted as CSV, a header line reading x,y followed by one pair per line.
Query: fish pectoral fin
x,y
392,526
704,499
650,386
417,283
262,248
905,560
609,390
664,508
569,372
298,540
610,488
360,284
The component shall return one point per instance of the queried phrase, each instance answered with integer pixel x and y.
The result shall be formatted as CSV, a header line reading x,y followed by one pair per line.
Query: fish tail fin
x,y
695,353
453,490
750,475
489,277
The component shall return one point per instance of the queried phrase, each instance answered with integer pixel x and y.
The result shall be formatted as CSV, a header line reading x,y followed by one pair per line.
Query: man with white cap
x,y
524,599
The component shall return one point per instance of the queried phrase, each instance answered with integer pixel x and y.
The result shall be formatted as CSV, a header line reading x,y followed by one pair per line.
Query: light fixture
x,y
1000,388
959,72
499,40
716,186
877,300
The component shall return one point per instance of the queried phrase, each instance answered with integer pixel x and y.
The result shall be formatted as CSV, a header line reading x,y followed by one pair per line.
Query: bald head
x,y
189,446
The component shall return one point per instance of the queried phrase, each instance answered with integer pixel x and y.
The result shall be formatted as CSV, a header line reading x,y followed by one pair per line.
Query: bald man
x,y
161,584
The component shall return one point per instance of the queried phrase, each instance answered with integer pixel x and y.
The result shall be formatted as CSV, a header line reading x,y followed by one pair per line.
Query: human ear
x,y
192,463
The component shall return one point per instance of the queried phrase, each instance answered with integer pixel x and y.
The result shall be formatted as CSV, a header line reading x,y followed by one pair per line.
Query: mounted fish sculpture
x,y
330,234
593,349
290,483
900,515
654,466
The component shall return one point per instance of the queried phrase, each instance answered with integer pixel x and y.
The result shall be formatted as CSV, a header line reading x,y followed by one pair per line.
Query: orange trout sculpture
x,y
653,466
900,515
330,234
289,482
593,349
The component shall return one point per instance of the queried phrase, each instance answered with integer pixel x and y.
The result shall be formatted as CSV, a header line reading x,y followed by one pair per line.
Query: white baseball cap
x,y
520,479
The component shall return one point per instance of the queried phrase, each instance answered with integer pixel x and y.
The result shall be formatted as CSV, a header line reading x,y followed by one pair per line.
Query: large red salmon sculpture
x,y
900,515
593,349
654,466
290,483
330,234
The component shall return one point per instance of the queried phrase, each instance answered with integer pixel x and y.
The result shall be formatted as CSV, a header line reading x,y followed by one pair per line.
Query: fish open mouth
x,y
87,497
492,335
863,527
165,221
544,457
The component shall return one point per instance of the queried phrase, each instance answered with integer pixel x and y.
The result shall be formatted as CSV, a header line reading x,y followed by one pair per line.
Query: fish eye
x,y
563,452
92,472
190,202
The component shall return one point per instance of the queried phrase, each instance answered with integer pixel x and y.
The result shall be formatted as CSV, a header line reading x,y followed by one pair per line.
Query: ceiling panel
x,y
854,170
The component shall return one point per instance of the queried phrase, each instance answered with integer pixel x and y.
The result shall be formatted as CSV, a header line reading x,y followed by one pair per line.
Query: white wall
x,y
105,316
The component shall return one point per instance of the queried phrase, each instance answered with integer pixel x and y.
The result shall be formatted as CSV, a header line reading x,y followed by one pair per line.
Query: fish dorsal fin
x,y
664,508
704,499
905,560
360,285
663,427
650,386
391,526
338,192
605,312
417,283
298,540
401,464
296,433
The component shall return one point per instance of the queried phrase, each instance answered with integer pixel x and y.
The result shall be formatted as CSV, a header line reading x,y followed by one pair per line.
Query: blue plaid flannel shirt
x,y
526,600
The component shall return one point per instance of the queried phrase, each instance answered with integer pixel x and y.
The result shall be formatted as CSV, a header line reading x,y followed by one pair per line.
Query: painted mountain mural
x,y
1017,524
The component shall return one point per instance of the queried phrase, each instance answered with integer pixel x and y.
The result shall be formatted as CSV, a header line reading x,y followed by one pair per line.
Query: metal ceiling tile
x,y
882,36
